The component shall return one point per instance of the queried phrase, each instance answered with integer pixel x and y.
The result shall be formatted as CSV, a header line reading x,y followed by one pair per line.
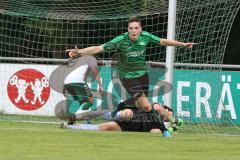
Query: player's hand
x,y
189,45
73,52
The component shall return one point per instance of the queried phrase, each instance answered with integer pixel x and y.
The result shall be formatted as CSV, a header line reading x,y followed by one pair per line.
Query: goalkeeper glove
x,y
178,123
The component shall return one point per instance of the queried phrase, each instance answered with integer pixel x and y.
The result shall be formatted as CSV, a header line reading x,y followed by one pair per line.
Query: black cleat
x,y
72,120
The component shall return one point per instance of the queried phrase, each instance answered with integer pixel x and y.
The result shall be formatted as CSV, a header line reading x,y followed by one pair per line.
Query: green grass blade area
x,y
25,141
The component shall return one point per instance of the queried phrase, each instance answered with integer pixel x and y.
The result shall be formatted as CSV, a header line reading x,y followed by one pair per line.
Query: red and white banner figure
x,y
28,89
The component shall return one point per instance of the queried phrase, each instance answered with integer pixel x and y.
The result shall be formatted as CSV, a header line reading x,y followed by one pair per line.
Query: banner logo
x,y
28,89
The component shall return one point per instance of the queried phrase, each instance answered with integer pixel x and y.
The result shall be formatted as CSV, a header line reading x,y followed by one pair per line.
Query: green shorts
x,y
76,94
77,90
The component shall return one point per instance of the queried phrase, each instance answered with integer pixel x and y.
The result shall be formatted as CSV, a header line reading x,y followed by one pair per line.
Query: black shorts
x,y
136,85
77,90
141,122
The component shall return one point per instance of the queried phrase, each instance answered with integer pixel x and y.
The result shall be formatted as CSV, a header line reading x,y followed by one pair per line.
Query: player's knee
x,y
145,106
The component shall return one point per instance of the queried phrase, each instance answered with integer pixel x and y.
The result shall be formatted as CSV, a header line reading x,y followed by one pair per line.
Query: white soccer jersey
x,y
79,74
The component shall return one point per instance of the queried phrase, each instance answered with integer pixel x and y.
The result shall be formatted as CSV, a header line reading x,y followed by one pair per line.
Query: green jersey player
x,y
131,66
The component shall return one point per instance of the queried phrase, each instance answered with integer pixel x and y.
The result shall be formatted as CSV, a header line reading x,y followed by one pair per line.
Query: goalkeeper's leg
x,y
141,101
109,126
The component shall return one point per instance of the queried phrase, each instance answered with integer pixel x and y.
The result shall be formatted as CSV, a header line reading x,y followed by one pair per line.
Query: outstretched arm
x,y
85,51
169,42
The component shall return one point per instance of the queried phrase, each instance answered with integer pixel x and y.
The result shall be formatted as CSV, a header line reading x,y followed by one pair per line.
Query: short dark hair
x,y
134,19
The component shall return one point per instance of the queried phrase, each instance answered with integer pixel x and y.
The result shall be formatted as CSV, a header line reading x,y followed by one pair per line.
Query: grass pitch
x,y
31,141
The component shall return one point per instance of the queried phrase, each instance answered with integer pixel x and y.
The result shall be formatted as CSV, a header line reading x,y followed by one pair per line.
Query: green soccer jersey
x,y
131,59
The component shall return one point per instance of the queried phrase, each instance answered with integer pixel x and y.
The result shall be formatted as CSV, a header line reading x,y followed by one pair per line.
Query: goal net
x,y
35,34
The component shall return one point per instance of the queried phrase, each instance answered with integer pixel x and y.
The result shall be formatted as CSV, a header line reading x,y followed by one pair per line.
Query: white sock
x,y
118,116
90,127
108,116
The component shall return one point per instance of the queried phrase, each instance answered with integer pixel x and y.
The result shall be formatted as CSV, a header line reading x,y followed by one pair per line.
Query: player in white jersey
x,y
76,90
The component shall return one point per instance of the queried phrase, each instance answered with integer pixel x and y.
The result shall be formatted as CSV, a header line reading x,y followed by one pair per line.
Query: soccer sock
x,y
73,107
72,104
108,116
90,127
119,116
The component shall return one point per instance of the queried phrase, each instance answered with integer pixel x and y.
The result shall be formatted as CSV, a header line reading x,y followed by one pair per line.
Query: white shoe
x,y
63,125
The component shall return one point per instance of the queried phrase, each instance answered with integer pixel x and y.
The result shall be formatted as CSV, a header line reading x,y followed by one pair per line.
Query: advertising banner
x,y
197,94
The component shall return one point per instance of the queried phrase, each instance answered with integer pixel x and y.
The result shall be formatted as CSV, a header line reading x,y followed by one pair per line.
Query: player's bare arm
x,y
85,51
169,42
96,74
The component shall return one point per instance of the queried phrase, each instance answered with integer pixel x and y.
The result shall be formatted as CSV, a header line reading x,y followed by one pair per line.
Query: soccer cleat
x,y
70,123
166,134
72,119
63,125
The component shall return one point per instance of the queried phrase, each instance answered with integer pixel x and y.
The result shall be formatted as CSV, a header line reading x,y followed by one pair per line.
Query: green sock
x,y
75,105
72,104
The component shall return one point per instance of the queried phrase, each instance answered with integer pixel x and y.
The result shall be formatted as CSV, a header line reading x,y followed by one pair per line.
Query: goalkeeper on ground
x,y
134,120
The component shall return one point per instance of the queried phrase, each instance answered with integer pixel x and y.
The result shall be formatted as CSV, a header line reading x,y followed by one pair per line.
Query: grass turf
x,y
25,141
